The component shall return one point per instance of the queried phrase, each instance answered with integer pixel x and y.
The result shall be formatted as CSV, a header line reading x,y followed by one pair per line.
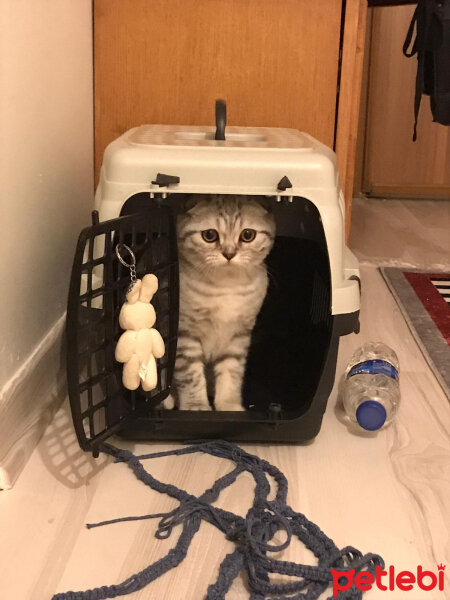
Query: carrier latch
x,y
283,184
165,180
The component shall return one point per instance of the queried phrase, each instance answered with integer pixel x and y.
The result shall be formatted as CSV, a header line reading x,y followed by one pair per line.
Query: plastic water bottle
x,y
371,392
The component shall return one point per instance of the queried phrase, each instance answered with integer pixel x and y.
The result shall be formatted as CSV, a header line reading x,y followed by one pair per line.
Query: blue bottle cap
x,y
371,415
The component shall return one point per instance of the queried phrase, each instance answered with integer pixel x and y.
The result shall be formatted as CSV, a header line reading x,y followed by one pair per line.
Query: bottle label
x,y
374,367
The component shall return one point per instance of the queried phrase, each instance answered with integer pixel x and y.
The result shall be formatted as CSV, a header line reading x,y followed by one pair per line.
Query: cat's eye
x,y
247,235
210,235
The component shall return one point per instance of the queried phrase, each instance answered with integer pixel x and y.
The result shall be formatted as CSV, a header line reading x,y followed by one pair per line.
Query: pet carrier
x,y
313,296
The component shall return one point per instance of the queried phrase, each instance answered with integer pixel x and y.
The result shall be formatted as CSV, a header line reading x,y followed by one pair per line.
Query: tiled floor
x,y
387,493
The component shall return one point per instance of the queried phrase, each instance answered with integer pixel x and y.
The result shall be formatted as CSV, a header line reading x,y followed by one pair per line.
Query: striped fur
x,y
219,298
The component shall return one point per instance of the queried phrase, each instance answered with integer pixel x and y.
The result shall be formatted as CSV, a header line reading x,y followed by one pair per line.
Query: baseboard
x,y
28,402
409,192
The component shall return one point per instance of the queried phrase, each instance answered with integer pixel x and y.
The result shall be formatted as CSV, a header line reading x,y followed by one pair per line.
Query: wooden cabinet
x,y
276,62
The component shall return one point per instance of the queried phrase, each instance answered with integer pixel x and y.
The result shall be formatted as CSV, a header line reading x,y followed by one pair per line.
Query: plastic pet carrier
x,y
313,296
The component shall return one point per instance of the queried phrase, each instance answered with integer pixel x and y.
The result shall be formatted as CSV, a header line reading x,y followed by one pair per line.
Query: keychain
x,y
140,344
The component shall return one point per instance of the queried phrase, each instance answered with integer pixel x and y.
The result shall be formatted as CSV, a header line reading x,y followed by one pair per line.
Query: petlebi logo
x,y
389,579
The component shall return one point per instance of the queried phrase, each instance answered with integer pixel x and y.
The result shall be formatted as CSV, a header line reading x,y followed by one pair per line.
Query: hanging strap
x,y
421,22
409,36
251,535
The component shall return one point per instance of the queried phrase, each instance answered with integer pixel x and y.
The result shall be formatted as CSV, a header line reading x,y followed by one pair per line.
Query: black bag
x,y
431,20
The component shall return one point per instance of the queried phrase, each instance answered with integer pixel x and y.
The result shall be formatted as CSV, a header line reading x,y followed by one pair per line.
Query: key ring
x,y
131,265
130,252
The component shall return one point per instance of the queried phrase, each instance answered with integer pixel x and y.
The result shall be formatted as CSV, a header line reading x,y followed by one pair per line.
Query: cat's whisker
x,y
272,277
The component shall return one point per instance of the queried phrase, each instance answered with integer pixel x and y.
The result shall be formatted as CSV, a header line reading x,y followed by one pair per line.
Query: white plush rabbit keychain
x,y
140,344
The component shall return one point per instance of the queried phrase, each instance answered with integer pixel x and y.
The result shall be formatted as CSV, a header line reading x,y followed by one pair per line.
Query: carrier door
x,y
100,404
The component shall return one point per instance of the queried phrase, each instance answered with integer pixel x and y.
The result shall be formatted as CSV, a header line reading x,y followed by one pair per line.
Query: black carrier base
x,y
249,426
285,426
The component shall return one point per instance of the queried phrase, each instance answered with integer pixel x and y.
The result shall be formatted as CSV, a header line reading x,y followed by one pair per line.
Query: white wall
x,y
46,168
46,163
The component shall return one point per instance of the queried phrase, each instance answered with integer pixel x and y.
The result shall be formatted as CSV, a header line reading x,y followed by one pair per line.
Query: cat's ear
x,y
189,202
266,202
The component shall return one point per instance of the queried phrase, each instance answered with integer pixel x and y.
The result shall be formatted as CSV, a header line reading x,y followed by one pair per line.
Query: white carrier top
x,y
251,161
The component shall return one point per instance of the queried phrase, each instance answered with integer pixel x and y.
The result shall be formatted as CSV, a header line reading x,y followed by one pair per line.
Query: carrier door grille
x,y
99,402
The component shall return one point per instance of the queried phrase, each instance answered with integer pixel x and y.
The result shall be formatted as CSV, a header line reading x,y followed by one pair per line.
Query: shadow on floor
x,y
63,456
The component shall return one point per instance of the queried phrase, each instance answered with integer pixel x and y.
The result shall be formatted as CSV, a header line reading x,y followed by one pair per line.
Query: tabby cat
x,y
222,244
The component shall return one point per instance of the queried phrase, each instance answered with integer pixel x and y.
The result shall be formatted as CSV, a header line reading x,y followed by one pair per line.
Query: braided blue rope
x,y
252,534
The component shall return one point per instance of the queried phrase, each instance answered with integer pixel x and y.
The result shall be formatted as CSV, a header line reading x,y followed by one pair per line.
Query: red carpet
x,y
433,290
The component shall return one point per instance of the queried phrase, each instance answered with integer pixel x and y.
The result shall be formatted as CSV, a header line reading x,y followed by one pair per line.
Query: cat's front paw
x,y
169,402
229,405
194,405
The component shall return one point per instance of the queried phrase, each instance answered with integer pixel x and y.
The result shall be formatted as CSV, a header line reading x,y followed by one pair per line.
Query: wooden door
x,y
394,164
276,62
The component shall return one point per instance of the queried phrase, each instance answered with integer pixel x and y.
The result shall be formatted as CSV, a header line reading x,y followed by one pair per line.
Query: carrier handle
x,y
221,119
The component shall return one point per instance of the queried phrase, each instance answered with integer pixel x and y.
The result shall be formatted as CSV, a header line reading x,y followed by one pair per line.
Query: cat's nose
x,y
229,254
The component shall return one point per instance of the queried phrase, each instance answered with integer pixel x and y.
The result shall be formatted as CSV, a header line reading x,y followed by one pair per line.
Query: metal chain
x,y
132,277
131,265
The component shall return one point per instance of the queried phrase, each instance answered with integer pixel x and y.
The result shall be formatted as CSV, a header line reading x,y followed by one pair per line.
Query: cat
x,y
222,244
